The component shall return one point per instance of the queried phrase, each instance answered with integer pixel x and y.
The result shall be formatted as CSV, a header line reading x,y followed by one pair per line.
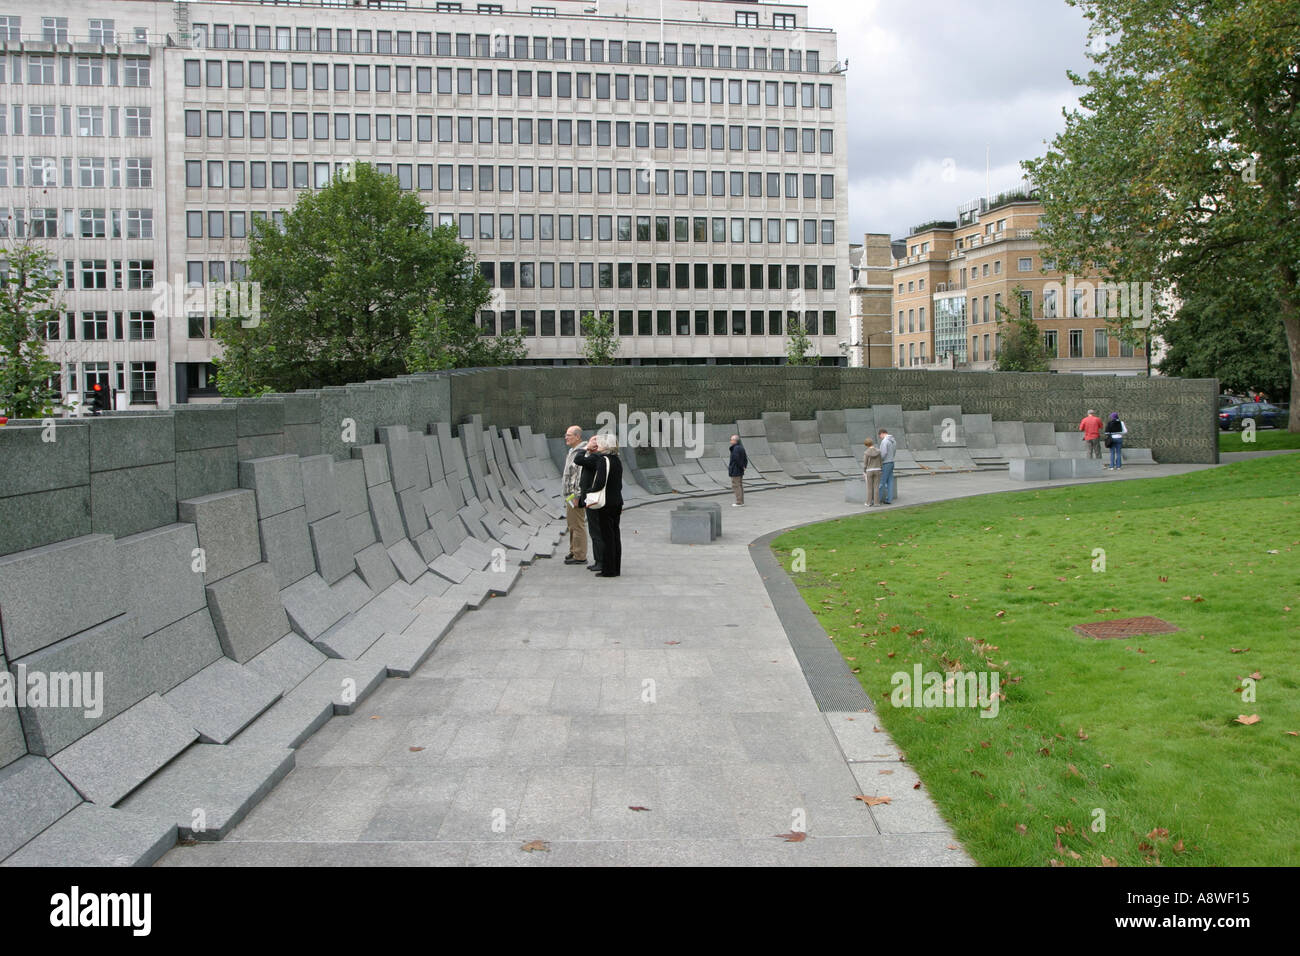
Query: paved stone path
x,y
552,711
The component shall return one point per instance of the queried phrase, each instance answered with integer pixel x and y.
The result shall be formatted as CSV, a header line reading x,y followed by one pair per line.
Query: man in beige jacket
x,y
575,516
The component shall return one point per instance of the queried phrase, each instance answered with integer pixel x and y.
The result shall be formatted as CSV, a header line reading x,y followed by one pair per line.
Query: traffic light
x,y
101,399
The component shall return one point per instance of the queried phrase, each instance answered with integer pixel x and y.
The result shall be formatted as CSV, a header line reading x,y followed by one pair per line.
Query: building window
x,y
1076,343
1049,343
746,19
1100,343
1025,264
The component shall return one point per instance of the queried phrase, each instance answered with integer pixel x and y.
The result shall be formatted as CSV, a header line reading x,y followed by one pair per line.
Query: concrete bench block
x,y
343,684
855,491
1137,456
172,654
350,480
286,546
361,532
331,547
112,760
410,503
453,570
33,796
129,500
96,836
312,607
277,480
375,459
1085,467
408,563
432,456
88,679
713,509
210,788
350,637
353,592
402,654
1030,469
287,662
1040,433
376,567
690,527
38,605
222,699
159,576
427,545
227,531
383,512
247,613
319,486
1061,467
289,723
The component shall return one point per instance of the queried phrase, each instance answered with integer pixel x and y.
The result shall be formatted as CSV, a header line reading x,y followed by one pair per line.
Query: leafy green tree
x,y
29,288
1020,340
437,342
798,346
1182,167
342,286
601,343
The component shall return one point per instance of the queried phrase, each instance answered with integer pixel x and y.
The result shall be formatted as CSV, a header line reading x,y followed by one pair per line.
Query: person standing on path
x,y
887,446
611,480
1115,432
871,472
736,469
589,461
574,515
1091,428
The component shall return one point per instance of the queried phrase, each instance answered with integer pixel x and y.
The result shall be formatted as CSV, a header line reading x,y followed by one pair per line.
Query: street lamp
x,y
869,337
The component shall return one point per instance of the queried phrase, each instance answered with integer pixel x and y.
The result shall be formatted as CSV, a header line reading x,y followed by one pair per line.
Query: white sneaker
x,y
735,504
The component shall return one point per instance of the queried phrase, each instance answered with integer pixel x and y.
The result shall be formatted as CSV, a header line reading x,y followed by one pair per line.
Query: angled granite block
x,y
158,573
319,487
131,441
32,464
206,471
375,459
432,456
222,699
12,742
277,481
428,546
353,592
128,500
343,683
350,479
247,612
111,761
259,416
414,517
312,607
33,796
227,529
286,546
262,446
92,835
384,513
203,426
303,440
445,566
438,498
409,564
376,567
37,606
287,662
361,532
402,654
224,782
91,676
170,655
289,723
39,518
332,547
349,638
406,459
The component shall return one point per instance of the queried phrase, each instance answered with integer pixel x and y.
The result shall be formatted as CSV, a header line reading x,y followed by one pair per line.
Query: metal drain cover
x,y
1124,627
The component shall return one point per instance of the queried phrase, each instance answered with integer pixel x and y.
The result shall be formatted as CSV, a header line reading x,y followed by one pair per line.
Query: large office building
x,y
677,167
954,278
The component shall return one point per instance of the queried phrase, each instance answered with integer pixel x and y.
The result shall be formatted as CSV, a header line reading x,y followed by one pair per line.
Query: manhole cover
x,y
1124,627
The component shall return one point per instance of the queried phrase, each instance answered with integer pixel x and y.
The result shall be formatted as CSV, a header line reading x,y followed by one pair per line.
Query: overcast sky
x,y
932,84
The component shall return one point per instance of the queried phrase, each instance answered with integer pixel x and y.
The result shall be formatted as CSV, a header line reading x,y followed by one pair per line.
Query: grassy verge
x,y
1266,439
1123,751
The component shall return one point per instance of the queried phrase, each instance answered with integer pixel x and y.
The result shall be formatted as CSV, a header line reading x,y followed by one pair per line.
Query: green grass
x,y
1266,439
1143,729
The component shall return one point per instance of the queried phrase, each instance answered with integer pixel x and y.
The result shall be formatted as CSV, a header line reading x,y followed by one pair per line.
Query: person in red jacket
x,y
1091,428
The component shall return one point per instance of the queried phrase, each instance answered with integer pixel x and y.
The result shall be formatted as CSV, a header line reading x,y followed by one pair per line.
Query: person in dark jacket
x,y
736,469
611,479
588,460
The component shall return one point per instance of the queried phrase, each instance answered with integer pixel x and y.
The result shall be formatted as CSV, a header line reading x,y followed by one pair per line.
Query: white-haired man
x,y
574,514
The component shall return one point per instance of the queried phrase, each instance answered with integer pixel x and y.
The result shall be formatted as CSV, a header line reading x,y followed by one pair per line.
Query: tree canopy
x,y
356,286
1182,166
28,292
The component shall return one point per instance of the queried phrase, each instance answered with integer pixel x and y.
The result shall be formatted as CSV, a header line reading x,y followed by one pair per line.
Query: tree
x,y
28,290
601,343
437,342
1020,341
1182,168
342,285
798,344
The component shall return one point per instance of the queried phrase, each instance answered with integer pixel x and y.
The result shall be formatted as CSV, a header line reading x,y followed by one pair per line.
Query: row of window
x,y
144,379
505,130
982,309
38,69
501,46
1100,345
89,172
55,30
93,274
656,275
644,322
90,121
344,77
95,326
41,222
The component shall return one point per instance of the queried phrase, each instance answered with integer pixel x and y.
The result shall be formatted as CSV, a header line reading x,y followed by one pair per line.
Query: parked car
x,y
1265,415
1226,400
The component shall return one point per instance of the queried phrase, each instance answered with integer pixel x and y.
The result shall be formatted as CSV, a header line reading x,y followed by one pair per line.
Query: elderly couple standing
x,y
878,469
590,467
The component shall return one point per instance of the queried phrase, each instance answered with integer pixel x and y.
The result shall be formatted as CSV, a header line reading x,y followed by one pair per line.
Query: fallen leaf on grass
x,y
1243,719
1107,861
638,808
872,801
917,785
1257,676
1159,833
1021,829
1238,650
534,845
415,750
1081,735
1293,733
794,836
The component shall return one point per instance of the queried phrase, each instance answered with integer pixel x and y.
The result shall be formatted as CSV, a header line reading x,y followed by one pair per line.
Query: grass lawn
x,y
1122,751
1266,439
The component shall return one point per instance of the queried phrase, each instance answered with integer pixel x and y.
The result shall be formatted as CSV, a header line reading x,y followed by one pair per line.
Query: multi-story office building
x,y
870,300
954,276
683,175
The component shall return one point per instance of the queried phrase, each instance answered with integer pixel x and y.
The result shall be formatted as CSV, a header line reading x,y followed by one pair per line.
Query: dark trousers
x,y
596,537
612,560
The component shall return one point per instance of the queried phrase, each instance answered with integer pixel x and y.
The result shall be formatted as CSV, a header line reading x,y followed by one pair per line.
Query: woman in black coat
x,y
592,464
612,512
